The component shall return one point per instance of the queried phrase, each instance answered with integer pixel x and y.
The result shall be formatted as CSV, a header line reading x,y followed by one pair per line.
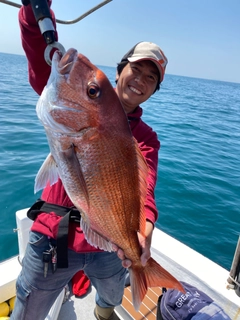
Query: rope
x,y
233,280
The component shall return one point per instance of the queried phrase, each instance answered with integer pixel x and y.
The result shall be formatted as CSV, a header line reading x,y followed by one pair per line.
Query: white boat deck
x,y
181,261
76,308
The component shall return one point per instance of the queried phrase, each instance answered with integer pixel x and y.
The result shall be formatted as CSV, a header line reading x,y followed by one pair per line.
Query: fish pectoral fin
x,y
70,157
95,239
47,172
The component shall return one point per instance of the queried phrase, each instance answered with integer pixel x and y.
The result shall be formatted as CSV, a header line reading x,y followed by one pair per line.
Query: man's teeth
x,y
135,90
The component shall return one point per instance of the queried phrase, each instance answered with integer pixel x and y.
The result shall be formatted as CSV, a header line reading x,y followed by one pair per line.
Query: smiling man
x,y
139,75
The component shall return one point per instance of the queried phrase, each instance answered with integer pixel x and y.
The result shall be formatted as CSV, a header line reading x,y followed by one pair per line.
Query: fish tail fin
x,y
152,275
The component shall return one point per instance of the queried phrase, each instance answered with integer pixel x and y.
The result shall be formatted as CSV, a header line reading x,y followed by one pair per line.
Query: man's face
x,y
136,83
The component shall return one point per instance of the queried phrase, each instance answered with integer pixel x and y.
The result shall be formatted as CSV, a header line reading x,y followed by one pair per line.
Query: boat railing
x,y
98,6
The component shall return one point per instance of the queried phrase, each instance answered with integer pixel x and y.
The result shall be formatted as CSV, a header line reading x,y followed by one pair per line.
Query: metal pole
x,y
234,275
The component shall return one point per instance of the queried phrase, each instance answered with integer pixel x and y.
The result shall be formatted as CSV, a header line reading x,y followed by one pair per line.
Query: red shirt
x,y
34,46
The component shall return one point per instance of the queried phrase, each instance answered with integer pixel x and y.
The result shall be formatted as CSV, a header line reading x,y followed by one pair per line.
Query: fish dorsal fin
x,y
47,173
143,173
95,239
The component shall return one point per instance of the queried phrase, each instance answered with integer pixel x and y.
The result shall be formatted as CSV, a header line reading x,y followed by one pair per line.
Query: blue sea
x,y
198,188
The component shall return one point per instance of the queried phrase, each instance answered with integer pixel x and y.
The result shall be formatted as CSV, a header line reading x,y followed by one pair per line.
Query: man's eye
x,y
152,78
135,68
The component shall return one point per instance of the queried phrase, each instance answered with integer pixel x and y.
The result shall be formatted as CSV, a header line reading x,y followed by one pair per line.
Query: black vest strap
x,y
67,214
41,206
62,242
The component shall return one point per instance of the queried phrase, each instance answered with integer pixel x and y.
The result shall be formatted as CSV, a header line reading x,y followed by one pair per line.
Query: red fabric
x,y
80,284
34,46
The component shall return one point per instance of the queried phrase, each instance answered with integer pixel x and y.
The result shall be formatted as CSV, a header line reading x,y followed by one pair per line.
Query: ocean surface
x,y
198,189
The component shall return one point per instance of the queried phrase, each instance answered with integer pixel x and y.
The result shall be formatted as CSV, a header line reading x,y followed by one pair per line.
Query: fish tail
x,y
152,275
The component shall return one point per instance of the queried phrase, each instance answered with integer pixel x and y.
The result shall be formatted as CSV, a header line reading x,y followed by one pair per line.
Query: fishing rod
x,y
43,17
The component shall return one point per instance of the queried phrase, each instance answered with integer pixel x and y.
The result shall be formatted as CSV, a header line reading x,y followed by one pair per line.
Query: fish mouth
x,y
64,66
63,108
49,104
51,108
65,63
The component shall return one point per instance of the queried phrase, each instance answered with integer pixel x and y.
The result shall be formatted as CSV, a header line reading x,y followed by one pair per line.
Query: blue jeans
x,y
36,294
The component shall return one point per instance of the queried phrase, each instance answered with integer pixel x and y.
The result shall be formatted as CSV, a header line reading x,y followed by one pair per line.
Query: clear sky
x,y
201,38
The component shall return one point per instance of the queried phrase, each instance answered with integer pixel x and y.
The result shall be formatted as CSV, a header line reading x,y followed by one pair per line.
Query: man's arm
x,y
34,46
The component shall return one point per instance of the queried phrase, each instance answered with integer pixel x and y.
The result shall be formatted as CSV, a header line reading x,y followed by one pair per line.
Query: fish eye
x,y
93,90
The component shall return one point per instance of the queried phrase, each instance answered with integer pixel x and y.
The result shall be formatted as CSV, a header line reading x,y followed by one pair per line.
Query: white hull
x,y
180,260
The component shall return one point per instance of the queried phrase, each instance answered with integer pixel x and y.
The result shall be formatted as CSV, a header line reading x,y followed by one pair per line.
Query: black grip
x,y
25,2
40,9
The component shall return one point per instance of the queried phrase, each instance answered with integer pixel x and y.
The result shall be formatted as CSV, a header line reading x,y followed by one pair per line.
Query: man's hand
x,y
145,243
